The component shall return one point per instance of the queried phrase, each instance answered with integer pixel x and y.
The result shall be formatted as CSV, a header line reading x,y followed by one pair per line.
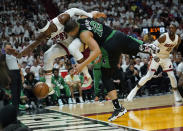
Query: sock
x,y
116,103
85,71
48,79
136,88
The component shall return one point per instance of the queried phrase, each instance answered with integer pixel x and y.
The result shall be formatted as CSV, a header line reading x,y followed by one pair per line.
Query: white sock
x,y
85,71
136,88
48,79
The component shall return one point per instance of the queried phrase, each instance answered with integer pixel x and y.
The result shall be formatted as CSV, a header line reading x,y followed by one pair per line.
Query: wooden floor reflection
x,y
147,113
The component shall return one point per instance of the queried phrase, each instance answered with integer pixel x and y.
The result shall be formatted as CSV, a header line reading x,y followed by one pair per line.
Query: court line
x,y
100,121
138,109
172,129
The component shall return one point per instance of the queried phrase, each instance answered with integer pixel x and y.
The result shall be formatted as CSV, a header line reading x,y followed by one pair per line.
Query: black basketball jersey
x,y
100,31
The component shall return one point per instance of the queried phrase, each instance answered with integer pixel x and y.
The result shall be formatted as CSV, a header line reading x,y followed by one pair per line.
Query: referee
x,y
14,72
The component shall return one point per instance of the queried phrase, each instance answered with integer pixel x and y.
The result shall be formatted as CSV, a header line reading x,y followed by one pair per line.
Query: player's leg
x,y
49,56
168,67
153,67
119,110
97,77
80,92
74,49
68,93
146,48
120,42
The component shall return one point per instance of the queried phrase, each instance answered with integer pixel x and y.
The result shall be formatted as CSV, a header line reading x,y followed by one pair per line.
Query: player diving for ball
x,y
102,39
54,29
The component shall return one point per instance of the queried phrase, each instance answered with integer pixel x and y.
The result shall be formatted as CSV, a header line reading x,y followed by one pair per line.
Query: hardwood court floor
x,y
147,113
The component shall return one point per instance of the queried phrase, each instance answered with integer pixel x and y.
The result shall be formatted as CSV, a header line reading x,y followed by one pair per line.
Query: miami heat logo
x,y
169,45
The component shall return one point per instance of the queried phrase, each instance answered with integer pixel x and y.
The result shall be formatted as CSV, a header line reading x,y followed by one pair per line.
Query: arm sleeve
x,y
76,11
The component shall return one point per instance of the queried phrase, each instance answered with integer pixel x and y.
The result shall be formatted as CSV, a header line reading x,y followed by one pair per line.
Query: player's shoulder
x,y
164,34
162,37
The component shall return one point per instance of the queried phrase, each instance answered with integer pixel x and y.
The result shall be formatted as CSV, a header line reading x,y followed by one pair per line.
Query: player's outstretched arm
x,y
160,40
42,36
75,11
87,38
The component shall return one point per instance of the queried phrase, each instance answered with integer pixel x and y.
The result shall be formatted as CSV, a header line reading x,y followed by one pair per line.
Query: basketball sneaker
x,y
73,101
117,113
60,103
87,81
69,101
177,95
81,100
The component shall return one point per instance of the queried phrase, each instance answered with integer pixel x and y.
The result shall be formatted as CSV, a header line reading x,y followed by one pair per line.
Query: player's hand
x,y
12,51
77,68
99,15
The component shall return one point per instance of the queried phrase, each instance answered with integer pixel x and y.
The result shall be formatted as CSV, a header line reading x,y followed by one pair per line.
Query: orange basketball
x,y
41,90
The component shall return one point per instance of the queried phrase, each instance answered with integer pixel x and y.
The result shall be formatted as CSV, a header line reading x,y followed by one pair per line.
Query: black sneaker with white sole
x,y
117,113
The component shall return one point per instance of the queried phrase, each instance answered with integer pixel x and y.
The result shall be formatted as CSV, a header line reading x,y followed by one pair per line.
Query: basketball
x,y
41,90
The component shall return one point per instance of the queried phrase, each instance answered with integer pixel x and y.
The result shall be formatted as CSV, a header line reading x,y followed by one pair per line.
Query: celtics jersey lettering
x,y
100,31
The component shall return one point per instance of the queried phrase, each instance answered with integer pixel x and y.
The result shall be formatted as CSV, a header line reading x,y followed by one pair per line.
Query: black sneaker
x,y
117,113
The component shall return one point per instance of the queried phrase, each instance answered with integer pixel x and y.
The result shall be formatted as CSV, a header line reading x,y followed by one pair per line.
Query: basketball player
x,y
55,29
101,39
166,42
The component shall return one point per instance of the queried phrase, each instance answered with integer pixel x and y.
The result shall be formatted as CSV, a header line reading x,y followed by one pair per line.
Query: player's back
x,y
167,46
60,35
100,31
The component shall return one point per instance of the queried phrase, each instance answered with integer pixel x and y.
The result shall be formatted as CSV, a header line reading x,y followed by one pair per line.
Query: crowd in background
x,y
130,15
18,21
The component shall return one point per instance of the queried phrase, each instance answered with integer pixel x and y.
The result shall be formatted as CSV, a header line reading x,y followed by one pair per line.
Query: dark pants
x,y
15,87
119,43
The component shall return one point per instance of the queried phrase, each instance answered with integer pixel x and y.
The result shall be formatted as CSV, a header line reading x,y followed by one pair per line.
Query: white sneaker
x,y
150,48
177,96
81,100
132,94
87,81
60,103
69,101
73,101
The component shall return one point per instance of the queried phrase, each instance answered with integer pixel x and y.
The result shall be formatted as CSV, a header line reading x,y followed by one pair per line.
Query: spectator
x,y
132,76
74,83
35,69
59,84
28,86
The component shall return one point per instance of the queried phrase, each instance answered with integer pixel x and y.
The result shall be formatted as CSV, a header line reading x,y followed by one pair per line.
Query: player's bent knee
x,y
71,49
109,89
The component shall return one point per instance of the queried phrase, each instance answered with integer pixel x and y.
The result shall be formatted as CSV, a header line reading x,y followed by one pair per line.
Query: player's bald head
x,y
70,25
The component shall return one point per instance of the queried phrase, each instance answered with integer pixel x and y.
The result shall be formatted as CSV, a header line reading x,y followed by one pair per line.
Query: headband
x,y
45,28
